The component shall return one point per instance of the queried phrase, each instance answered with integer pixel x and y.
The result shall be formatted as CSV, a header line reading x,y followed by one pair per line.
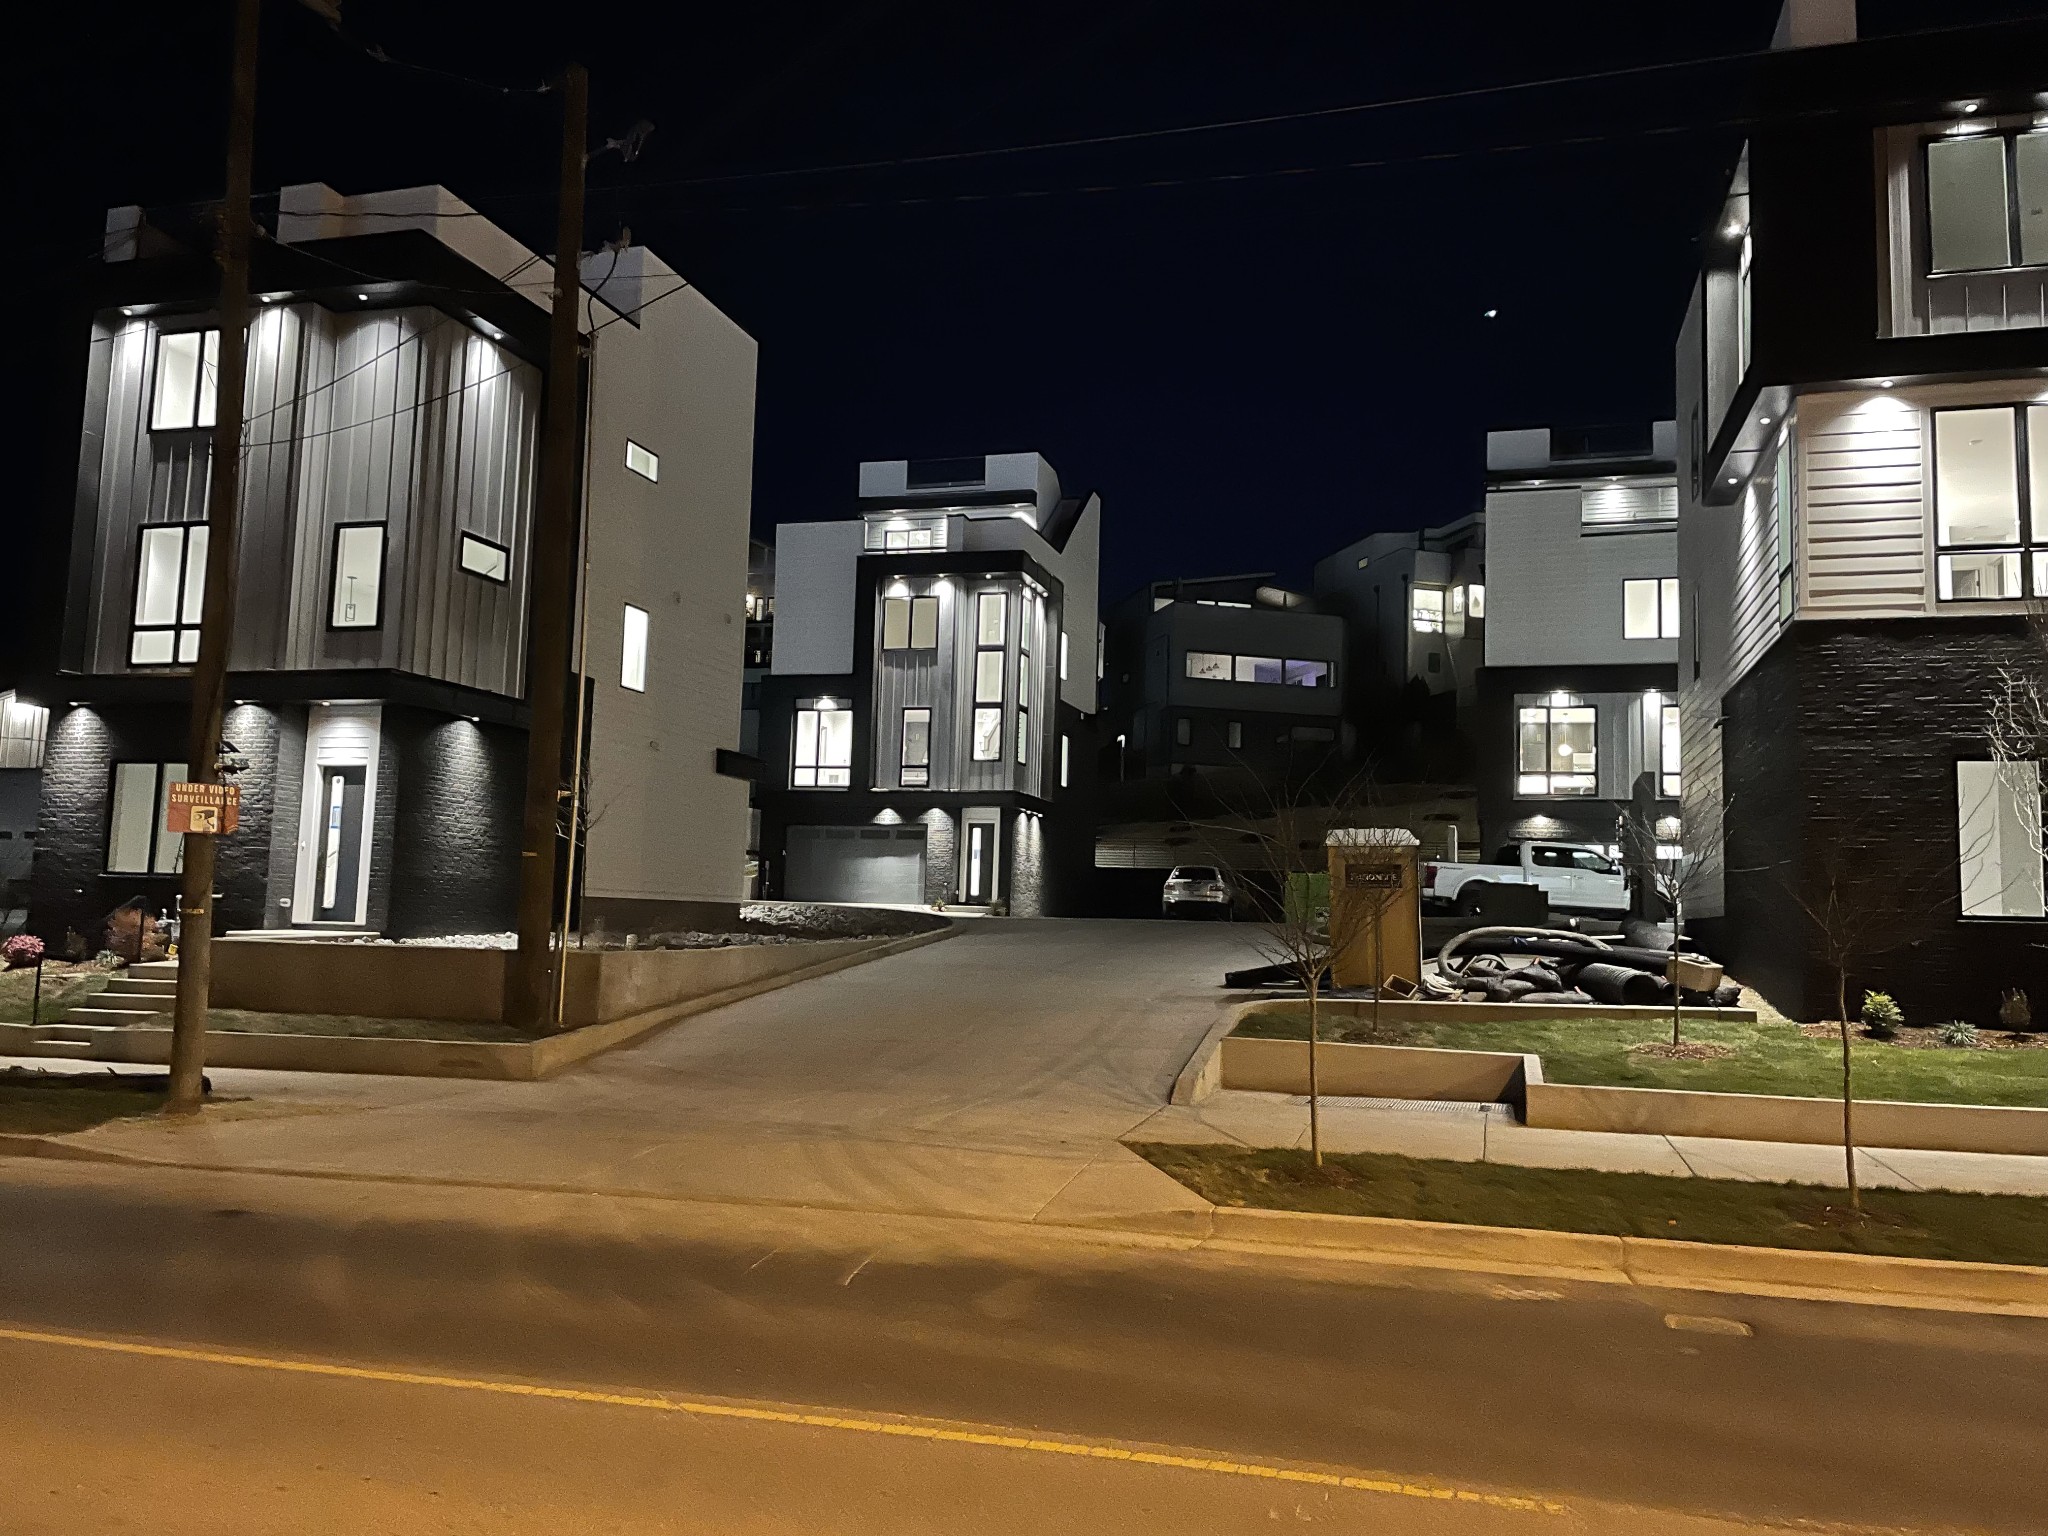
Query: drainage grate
x,y
1426,1106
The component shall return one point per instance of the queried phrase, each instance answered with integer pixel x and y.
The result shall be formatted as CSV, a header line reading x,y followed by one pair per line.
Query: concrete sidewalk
x,y
1489,1133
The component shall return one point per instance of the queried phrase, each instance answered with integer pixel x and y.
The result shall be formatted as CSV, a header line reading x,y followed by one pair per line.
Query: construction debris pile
x,y
1547,965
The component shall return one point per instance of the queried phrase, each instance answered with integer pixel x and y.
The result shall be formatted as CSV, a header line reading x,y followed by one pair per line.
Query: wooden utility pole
x,y
217,615
530,1003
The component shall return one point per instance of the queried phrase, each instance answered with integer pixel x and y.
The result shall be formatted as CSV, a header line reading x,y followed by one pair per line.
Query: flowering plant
x,y
23,949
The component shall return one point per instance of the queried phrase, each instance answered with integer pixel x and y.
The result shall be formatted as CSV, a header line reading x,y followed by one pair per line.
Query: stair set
x,y
142,994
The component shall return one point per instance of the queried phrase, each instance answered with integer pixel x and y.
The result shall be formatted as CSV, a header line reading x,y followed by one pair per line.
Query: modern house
x,y
1576,701
1862,515
927,724
379,668
1221,673
1414,610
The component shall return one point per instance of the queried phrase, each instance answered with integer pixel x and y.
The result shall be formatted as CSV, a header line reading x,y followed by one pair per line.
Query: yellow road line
x,y
809,1420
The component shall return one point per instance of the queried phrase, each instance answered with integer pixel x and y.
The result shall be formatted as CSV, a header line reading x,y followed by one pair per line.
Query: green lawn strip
x,y
1919,1224
63,990
50,1104
1587,1046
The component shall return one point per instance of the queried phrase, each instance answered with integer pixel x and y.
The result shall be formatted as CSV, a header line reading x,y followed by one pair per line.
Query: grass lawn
x,y
1587,1046
1920,1224
65,986
49,1103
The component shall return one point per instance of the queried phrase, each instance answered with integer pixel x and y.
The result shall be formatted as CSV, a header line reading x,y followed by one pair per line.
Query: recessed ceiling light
x,y
1969,106
1886,383
363,297
1763,421
1733,481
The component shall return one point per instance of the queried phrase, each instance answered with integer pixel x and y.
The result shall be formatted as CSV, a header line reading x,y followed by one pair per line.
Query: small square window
x,y
633,651
642,461
480,557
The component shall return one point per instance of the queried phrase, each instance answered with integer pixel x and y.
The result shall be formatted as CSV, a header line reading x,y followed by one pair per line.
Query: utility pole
x,y
530,1002
217,615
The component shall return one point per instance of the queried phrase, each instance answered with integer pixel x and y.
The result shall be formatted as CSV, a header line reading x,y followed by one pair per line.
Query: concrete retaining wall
x,y
1375,1071
1763,1117
1423,1011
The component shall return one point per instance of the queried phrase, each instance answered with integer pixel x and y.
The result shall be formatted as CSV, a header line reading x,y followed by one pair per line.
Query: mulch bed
x,y
1685,1050
1927,1037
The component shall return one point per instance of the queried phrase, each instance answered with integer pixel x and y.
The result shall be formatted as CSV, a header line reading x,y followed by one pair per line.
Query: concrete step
x,y
54,1049
67,1034
166,970
118,1016
146,986
134,1002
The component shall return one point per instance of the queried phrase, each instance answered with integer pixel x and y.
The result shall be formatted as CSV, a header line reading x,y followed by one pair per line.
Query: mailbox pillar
x,y
1375,878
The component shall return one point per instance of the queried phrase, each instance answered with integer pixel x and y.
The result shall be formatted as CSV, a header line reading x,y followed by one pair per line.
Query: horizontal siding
x,y
1862,517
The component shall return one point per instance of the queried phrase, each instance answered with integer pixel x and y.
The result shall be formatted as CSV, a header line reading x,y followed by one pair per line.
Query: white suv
x,y
1196,889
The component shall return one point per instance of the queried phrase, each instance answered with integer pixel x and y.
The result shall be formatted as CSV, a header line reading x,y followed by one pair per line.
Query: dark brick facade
x,y
1839,750
454,823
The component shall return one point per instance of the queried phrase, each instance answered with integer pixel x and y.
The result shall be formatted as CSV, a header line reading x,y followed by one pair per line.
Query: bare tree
x,y
1276,837
1678,870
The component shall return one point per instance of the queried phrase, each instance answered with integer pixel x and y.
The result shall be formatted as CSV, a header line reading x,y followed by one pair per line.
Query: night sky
x,y
1257,342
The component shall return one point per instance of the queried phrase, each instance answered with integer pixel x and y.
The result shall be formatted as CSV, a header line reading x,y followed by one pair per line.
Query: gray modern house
x,y
926,730
1213,674
379,667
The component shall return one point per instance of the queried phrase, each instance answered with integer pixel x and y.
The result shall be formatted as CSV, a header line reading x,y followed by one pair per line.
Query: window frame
x,y
2030,549
1664,606
178,627
653,461
1423,624
1670,733
2015,242
1967,860
818,766
627,678
1549,774
334,576
913,775
1326,679
464,539
205,406
159,795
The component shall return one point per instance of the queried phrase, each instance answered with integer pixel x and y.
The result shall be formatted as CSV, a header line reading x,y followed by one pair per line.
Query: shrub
x,y
1881,1014
1958,1033
2014,1012
23,949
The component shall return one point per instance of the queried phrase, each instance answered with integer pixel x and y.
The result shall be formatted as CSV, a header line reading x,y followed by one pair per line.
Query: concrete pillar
x,y
1375,876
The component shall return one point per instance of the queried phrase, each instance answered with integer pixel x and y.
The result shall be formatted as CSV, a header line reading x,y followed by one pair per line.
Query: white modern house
x,y
380,665
926,728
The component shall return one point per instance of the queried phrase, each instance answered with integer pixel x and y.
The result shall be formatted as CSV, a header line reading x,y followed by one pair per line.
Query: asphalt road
x,y
427,1313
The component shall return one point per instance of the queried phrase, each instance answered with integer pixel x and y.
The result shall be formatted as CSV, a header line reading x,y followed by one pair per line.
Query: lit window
x,y
1670,752
1998,835
643,462
633,652
895,623
357,600
1781,515
480,557
992,612
988,735
1649,608
1023,734
1984,193
1981,499
1063,655
824,749
1209,666
137,843
917,748
187,380
988,677
1556,750
1475,600
1257,669
1426,607
170,589
924,623
1066,754
1457,602
1306,674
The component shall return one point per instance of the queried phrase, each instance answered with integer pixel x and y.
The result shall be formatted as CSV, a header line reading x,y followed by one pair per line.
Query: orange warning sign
x,y
190,808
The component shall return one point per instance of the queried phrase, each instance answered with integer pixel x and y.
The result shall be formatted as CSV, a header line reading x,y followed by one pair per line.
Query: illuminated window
x,y
917,748
137,843
1475,600
642,461
480,557
1998,832
988,735
1649,608
823,757
170,589
1669,753
1982,501
357,598
1426,610
187,380
1987,202
1556,749
633,652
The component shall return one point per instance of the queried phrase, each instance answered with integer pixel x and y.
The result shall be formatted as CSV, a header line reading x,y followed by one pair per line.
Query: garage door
x,y
871,864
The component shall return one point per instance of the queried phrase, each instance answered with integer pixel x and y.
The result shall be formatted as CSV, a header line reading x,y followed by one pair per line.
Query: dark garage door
x,y
871,864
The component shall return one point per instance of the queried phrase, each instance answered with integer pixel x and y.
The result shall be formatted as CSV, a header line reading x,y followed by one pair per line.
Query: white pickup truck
x,y
1577,876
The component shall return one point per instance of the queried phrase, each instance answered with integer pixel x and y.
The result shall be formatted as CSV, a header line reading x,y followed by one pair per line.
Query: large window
x,y
1983,513
991,624
824,749
1024,628
187,380
1987,202
917,748
1426,610
1649,608
633,650
137,843
1221,667
899,535
1670,752
910,623
1998,838
356,600
1556,749
170,590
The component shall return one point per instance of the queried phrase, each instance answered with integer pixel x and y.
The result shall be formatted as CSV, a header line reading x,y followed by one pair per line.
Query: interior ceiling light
x,y
1886,383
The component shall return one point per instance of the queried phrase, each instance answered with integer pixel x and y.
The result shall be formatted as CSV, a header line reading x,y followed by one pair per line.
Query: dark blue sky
x,y
1253,346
